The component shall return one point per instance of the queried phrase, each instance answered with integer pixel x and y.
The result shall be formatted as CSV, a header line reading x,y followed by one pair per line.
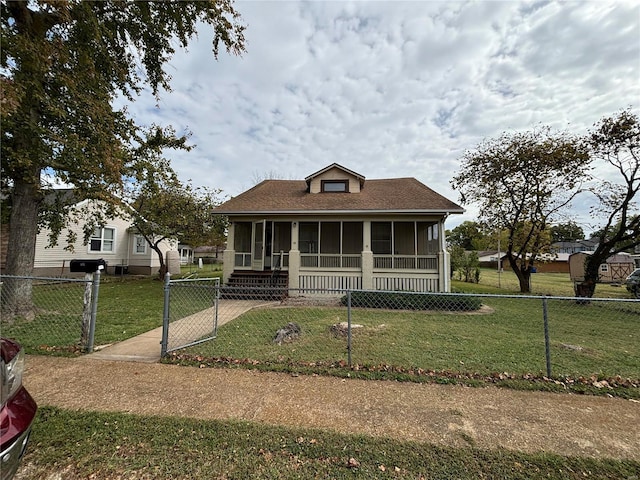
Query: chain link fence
x,y
375,333
190,312
50,315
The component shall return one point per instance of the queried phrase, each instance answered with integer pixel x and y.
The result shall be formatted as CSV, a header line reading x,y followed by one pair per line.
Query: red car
x,y
18,409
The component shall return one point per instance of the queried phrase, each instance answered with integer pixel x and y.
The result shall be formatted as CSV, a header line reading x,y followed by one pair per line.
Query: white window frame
x,y
137,238
101,237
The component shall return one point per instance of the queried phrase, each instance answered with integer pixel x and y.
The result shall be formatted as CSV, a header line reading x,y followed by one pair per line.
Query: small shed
x,y
615,270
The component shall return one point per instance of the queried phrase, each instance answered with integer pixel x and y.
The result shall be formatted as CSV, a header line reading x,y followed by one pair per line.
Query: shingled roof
x,y
401,195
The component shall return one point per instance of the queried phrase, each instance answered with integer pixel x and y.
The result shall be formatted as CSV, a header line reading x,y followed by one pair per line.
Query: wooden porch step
x,y
256,285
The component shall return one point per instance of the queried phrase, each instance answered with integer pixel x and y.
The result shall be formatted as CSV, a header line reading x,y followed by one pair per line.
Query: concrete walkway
x,y
146,347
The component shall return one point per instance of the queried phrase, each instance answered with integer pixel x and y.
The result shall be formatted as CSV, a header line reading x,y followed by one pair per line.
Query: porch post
x,y
294,261
367,257
443,260
229,254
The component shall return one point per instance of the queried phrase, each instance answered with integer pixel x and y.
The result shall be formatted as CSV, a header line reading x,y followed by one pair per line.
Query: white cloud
x,y
393,88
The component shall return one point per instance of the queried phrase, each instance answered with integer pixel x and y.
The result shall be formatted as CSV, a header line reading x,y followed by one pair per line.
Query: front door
x,y
257,262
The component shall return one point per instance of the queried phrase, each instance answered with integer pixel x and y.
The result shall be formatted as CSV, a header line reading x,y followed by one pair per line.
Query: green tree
x,y
521,182
63,65
171,210
615,142
566,232
466,264
467,235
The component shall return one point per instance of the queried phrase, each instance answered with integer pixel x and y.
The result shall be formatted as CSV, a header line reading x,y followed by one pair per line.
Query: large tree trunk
x,y
524,275
587,288
163,266
23,229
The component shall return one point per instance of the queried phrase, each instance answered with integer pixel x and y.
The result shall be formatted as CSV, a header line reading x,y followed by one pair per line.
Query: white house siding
x,y
54,261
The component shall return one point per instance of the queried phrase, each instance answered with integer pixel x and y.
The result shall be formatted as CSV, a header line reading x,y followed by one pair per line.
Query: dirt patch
x,y
446,415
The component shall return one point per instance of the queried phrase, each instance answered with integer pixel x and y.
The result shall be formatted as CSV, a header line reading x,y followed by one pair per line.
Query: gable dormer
x,y
335,179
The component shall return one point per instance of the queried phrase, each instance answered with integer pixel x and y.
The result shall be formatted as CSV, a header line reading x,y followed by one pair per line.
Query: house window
x,y
335,186
102,240
604,268
139,245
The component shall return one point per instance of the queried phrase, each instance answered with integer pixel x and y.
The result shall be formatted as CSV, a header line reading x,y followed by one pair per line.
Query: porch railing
x,y
405,262
315,260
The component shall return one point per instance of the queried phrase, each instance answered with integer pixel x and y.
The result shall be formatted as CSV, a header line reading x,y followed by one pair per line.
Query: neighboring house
x,y
574,247
615,270
336,230
545,263
186,254
117,243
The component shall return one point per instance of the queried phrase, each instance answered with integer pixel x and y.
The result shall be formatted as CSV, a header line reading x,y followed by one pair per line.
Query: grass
x,y
127,308
587,342
79,445
554,284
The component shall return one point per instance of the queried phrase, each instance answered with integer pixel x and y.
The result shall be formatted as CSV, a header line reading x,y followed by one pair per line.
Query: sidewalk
x,y
146,348
444,415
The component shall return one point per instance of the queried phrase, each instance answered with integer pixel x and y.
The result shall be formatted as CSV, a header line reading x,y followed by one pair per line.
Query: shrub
x,y
412,301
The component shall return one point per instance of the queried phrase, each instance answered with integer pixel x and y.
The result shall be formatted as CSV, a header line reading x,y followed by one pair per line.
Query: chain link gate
x,y
190,312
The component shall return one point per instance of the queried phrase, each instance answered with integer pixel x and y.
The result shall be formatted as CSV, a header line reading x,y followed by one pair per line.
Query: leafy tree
x,y
615,142
521,181
566,232
63,65
466,264
171,210
467,235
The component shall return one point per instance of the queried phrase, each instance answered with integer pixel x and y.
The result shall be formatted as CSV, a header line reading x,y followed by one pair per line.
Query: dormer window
x,y
335,186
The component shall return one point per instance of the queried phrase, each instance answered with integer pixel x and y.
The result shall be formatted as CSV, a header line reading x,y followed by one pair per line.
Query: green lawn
x,y
555,284
102,446
599,339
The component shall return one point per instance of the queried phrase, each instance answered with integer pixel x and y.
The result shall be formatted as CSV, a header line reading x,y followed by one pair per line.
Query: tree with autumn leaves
x,y
524,182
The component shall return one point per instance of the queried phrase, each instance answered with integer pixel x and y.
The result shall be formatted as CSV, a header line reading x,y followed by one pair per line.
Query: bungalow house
x,y
117,243
337,230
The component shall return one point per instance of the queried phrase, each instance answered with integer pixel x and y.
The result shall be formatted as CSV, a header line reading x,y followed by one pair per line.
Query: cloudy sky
x,y
393,89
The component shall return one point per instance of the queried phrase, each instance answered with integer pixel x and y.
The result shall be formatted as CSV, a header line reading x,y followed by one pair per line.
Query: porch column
x,y
444,265
294,260
229,254
367,257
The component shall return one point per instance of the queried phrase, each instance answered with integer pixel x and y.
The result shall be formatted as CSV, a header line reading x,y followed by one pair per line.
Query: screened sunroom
x,y
382,234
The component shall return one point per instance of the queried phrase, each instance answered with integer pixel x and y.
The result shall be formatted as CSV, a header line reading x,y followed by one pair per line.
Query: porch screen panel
x,y
308,237
404,238
428,238
282,237
242,236
330,237
351,238
381,238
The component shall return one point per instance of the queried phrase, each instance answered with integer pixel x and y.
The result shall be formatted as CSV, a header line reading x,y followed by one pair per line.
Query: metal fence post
x,y
547,348
216,300
165,316
94,310
349,328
